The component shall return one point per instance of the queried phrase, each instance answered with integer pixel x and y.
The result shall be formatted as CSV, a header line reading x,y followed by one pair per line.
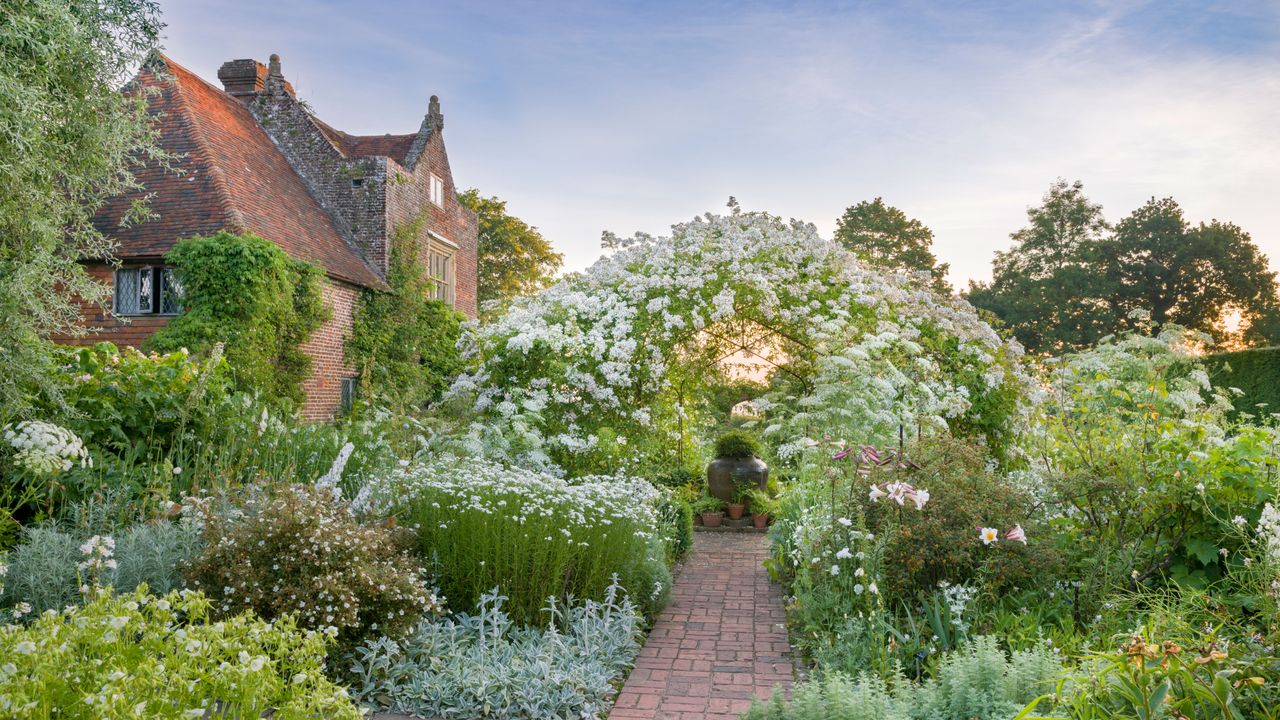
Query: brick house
x,y
254,158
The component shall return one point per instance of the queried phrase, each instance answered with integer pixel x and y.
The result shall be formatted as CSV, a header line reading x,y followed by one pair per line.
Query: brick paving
x,y
722,639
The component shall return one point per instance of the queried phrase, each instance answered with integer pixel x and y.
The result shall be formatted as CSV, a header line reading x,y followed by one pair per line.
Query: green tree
x,y
1189,275
67,141
245,292
883,235
514,258
1045,288
404,342
1070,279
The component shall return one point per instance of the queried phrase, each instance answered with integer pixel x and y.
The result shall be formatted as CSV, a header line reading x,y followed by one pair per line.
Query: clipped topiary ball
x,y
737,445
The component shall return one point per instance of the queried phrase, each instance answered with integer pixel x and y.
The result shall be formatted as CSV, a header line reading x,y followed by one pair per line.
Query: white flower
x,y
988,535
26,647
843,554
835,570
845,521
920,497
858,589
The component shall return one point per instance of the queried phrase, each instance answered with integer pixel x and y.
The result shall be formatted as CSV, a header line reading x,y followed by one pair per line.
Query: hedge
x,y
1256,372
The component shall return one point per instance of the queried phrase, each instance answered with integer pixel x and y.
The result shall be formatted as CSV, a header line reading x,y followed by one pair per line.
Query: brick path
x,y
720,641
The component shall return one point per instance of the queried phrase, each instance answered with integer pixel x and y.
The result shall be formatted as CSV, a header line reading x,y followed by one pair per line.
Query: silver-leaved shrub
x,y
484,665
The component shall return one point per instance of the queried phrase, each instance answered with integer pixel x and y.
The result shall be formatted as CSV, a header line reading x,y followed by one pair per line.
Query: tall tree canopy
x,y
67,138
515,260
884,236
1070,279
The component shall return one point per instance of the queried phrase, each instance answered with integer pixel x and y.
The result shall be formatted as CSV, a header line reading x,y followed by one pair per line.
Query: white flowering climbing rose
x,y
626,348
44,448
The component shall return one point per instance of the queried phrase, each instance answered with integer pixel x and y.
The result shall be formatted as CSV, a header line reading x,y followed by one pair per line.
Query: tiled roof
x,y
395,147
233,177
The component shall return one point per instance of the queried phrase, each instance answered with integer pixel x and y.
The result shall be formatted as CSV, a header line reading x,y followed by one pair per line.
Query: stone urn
x,y
725,474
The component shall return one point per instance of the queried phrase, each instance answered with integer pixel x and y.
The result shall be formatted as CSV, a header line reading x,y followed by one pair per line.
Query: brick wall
x,y
326,348
405,200
357,211
104,326
389,194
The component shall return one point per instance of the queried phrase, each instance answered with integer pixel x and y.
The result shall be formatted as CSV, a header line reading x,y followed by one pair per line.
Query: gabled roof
x,y
233,177
395,147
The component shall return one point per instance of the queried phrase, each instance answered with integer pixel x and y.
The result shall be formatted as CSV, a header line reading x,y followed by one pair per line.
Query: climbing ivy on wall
x,y
245,292
404,342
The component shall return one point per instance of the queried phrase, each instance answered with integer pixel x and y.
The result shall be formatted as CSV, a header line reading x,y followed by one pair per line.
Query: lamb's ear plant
x,y
481,664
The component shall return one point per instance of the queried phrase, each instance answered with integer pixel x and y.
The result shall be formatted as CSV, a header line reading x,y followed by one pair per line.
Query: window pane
x,y
146,294
171,292
127,287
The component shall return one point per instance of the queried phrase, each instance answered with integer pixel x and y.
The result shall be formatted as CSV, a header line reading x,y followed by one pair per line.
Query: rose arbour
x,y
532,536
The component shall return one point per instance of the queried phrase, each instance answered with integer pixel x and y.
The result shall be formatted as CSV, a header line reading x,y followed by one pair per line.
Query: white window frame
x,y
161,278
445,282
435,190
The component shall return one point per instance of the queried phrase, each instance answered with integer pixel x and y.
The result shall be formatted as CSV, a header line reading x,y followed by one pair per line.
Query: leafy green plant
x,y
708,504
761,502
1151,679
246,293
482,525
138,655
116,399
675,517
483,665
737,444
403,341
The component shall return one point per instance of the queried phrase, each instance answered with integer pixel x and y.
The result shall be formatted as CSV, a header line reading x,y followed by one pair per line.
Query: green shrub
x,y
940,544
483,526
737,444
302,552
676,520
118,399
1255,372
138,655
245,292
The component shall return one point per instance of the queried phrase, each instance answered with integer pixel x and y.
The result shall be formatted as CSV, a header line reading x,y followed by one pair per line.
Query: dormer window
x,y
357,182
147,291
436,191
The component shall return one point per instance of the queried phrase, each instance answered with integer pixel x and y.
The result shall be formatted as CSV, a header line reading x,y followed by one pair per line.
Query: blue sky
x,y
587,116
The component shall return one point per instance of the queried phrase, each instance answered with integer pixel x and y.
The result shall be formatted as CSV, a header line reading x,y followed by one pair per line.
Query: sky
x,y
622,116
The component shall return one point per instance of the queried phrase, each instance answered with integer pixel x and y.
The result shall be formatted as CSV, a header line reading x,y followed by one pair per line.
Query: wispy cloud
x,y
590,116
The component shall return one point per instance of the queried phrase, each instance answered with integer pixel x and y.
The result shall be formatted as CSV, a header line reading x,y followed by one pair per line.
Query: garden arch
x,y
603,370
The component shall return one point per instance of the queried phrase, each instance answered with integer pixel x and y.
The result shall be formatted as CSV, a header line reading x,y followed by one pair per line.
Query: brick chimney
x,y
243,77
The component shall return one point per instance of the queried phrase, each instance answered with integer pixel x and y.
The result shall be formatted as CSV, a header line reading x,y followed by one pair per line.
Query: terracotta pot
x,y
722,473
760,521
712,519
697,518
736,510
